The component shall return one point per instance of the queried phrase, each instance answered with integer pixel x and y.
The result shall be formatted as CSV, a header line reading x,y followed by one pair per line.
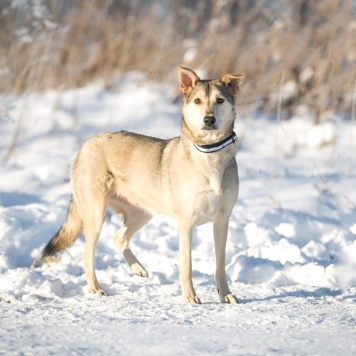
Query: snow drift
x,y
291,253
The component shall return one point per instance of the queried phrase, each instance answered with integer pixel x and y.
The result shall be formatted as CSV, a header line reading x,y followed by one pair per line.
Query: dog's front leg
x,y
220,237
185,264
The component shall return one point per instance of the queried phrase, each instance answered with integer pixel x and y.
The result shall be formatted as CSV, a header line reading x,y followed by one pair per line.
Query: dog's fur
x,y
139,176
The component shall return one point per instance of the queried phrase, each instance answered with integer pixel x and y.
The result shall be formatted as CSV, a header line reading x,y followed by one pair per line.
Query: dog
x,y
192,178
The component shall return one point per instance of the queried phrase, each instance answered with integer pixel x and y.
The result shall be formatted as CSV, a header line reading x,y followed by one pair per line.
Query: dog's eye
x,y
220,100
197,101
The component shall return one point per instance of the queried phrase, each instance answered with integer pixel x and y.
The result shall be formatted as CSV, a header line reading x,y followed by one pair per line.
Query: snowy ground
x,y
291,255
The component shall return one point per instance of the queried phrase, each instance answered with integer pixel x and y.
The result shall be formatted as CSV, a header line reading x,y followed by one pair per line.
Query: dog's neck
x,y
210,165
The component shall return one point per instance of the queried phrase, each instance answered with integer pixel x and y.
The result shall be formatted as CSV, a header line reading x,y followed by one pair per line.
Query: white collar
x,y
214,147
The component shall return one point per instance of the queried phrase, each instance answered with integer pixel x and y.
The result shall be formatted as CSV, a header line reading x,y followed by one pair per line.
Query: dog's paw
x,y
48,260
98,291
192,300
36,262
140,271
231,299
102,292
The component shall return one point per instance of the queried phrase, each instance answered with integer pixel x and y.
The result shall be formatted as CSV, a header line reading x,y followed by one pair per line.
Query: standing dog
x,y
192,178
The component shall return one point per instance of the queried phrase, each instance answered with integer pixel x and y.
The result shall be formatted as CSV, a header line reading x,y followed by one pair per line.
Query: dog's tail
x,y
66,235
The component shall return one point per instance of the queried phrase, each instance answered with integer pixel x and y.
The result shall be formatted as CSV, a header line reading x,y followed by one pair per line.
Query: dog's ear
x,y
233,82
187,80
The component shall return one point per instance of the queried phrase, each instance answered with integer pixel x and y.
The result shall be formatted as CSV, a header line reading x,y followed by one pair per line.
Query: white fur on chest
x,y
208,193
212,168
206,206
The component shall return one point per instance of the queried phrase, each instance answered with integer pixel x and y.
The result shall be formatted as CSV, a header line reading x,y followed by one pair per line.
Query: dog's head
x,y
208,105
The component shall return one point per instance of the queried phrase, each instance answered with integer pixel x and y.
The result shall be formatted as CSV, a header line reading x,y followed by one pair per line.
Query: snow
x,y
291,253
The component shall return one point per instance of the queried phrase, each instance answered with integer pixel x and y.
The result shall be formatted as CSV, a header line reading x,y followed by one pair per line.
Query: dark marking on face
x,y
208,86
207,91
225,94
190,96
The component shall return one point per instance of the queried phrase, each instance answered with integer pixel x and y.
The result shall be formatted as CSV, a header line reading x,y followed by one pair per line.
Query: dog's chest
x,y
207,199
208,189
207,207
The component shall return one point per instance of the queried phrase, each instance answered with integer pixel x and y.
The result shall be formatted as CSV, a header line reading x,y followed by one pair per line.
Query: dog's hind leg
x,y
220,237
94,212
134,219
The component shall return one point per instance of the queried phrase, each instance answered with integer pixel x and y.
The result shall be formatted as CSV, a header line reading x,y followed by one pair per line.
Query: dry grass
x,y
69,44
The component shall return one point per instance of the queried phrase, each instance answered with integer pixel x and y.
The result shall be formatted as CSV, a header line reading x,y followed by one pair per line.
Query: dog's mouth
x,y
209,128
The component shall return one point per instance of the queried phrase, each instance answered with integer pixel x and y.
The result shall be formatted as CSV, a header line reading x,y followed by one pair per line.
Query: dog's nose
x,y
209,120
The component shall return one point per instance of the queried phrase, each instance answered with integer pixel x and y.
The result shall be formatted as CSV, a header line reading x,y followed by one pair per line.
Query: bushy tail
x,y
66,235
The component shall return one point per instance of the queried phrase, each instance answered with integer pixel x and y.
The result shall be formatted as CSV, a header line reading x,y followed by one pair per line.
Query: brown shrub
x,y
72,43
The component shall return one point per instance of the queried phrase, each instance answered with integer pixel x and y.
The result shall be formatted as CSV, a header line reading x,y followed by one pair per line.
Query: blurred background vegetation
x,y
292,52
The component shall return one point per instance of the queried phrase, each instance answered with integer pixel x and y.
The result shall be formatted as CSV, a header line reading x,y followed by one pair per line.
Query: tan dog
x,y
192,178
